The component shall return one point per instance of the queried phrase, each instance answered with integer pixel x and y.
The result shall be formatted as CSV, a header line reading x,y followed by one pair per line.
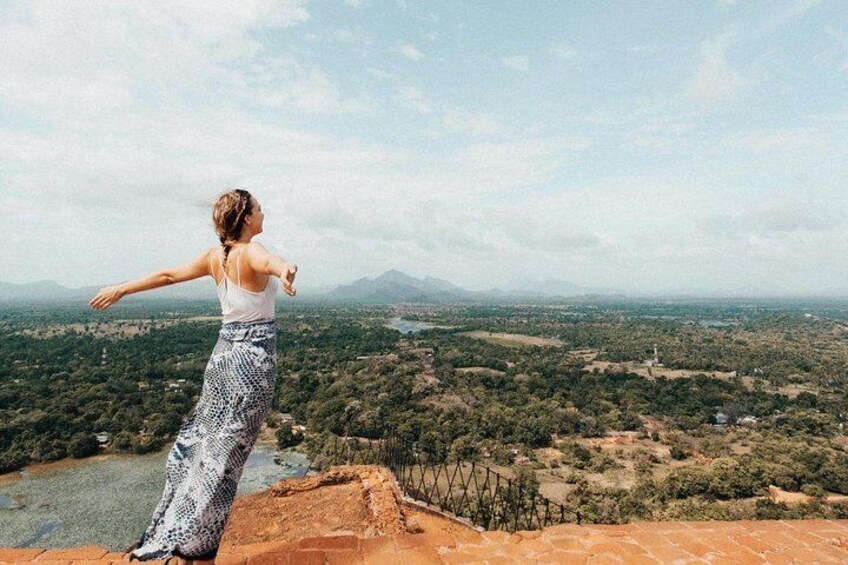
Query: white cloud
x,y
660,133
775,140
355,3
131,114
71,63
513,164
283,83
516,63
411,98
460,121
410,52
837,53
777,219
563,51
357,38
714,83
644,49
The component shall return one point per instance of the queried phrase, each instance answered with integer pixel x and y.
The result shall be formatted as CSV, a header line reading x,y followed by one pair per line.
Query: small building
x,y
102,437
655,362
721,419
285,418
748,420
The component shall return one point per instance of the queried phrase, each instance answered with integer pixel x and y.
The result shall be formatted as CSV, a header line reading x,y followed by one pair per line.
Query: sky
x,y
651,147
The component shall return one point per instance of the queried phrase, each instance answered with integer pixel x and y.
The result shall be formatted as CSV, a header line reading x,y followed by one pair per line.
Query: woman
x,y
206,462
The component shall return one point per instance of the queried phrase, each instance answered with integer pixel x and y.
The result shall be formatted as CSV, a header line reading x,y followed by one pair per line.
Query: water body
x,y
7,502
109,501
409,326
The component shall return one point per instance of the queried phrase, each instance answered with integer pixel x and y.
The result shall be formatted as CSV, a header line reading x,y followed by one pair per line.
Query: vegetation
x,y
586,420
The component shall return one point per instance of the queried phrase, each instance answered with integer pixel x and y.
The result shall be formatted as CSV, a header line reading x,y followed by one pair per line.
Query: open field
x,y
480,370
654,372
116,329
513,340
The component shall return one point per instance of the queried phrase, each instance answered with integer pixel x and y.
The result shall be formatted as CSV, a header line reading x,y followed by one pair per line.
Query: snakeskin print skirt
x,y
205,464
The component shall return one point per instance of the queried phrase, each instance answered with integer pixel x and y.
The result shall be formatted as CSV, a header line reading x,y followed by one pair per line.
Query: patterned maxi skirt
x,y
206,462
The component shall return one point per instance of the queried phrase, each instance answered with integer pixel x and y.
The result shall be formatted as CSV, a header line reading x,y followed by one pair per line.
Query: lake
x,y
109,500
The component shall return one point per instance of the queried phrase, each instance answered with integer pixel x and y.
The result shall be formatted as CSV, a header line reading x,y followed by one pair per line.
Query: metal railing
x,y
466,489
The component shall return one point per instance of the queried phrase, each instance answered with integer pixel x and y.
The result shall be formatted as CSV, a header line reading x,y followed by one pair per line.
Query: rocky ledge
x,y
356,515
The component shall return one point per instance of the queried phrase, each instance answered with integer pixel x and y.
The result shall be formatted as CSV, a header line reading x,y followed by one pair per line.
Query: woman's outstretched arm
x,y
192,270
264,262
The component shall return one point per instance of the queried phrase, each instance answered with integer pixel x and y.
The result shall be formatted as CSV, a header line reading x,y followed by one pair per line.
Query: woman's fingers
x,y
287,287
105,298
96,301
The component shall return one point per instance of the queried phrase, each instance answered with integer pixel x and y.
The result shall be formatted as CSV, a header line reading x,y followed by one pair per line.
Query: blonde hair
x,y
228,215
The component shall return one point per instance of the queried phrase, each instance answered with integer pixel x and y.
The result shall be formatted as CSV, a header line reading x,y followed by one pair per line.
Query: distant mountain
x,y
32,291
390,287
566,289
50,291
396,286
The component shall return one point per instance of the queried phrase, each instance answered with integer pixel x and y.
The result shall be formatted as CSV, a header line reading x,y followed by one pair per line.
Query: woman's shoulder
x,y
255,251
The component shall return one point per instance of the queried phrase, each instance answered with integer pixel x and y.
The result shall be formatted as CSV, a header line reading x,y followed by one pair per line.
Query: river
x,y
108,500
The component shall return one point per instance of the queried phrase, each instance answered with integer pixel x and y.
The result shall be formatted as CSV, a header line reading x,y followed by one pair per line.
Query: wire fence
x,y
466,489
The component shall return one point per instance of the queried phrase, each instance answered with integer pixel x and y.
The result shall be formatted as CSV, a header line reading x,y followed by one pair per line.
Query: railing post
x,y
520,508
509,501
495,503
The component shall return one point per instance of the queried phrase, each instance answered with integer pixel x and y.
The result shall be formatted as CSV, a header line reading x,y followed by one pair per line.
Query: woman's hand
x,y
288,279
107,296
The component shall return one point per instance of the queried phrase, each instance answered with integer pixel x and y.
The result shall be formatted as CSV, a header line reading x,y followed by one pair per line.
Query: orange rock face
x,y
358,499
355,515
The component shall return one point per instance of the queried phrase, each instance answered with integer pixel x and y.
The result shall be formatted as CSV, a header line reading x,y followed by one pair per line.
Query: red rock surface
x,y
355,515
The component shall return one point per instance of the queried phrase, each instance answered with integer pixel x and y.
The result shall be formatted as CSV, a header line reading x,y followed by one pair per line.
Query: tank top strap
x,y
224,273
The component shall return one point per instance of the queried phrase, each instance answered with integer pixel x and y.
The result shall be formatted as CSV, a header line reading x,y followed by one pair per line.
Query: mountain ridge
x,y
392,285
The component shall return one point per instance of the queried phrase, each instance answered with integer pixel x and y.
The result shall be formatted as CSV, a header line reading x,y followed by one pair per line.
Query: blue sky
x,y
651,146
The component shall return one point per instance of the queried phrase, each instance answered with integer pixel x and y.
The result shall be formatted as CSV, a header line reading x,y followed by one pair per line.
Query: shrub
x,y
286,437
82,445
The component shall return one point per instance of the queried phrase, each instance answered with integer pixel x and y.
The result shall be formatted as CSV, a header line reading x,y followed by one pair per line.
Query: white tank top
x,y
241,305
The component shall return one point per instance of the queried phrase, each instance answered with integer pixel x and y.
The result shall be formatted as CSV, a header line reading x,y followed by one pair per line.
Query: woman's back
x,y
240,304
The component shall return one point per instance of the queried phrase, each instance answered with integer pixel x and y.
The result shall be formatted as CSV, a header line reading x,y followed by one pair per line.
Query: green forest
x,y
742,396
